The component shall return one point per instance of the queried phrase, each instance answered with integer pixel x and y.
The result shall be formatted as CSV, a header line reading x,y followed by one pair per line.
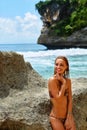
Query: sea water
x,y
42,59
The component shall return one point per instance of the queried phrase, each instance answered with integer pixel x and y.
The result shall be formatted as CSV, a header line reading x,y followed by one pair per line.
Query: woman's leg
x,y
56,124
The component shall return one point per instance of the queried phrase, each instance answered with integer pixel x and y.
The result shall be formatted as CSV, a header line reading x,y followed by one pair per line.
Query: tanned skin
x,y
61,97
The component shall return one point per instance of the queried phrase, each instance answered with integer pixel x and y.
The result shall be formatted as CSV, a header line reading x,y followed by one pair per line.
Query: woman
x,y
60,92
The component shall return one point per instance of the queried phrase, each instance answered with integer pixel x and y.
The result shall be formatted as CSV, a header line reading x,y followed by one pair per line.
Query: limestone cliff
x,y
58,30
24,99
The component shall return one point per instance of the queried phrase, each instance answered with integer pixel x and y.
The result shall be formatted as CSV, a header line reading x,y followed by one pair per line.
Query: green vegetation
x,y
75,21
41,6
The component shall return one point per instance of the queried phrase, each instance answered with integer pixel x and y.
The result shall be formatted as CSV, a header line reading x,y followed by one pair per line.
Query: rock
x,y
24,99
22,94
77,39
80,102
12,72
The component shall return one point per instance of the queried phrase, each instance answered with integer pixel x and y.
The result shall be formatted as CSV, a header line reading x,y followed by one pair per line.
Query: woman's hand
x,y
67,124
61,78
63,86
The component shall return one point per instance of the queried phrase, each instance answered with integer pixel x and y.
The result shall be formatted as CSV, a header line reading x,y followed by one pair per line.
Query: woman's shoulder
x,y
68,80
52,79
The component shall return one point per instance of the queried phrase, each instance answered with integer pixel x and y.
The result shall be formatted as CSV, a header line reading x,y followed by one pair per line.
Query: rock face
x,y
24,99
80,102
77,39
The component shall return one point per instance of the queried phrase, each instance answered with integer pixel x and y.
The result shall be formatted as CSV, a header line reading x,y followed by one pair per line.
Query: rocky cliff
x,y
24,99
77,39
53,13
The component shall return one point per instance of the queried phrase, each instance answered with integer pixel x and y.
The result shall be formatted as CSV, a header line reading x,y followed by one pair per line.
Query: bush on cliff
x,y
75,21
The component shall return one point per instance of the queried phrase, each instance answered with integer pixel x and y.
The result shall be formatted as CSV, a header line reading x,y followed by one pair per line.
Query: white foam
x,y
46,53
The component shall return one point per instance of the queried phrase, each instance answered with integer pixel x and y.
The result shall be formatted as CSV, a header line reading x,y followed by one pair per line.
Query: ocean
x,y
42,59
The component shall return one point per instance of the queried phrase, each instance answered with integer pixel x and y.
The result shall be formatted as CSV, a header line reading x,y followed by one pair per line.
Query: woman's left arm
x,y
69,98
69,112
69,123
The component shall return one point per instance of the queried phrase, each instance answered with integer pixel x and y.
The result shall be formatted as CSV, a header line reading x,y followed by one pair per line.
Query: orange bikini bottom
x,y
61,119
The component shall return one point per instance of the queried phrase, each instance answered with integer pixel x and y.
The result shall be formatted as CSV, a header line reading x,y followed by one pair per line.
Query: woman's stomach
x,y
60,107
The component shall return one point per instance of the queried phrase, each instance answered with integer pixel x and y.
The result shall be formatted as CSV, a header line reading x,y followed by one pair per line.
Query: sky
x,y
19,21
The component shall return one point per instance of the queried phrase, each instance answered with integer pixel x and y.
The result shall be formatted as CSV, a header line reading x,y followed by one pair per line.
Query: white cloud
x,y
7,26
29,16
20,29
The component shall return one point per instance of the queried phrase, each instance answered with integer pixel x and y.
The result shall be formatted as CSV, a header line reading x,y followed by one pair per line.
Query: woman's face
x,y
60,66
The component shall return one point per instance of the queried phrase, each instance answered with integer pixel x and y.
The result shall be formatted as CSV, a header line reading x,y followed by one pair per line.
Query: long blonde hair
x,y
66,73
